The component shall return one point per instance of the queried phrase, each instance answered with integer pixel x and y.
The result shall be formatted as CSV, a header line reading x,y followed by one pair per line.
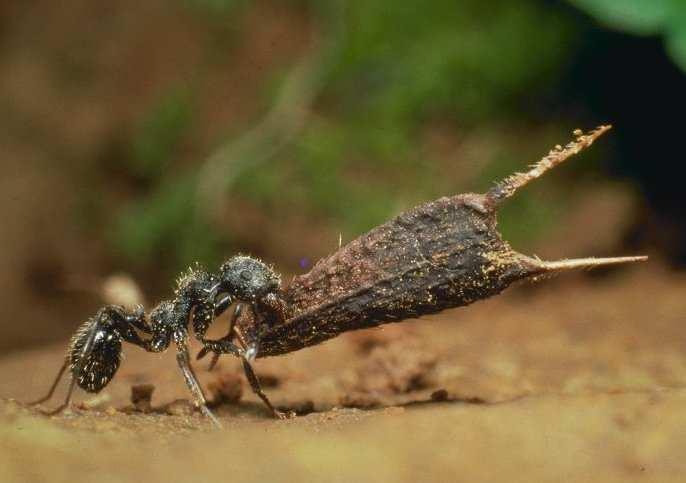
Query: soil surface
x,y
581,378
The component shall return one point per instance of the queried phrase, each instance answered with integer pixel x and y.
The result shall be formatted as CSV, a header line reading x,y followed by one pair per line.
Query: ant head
x,y
247,278
94,367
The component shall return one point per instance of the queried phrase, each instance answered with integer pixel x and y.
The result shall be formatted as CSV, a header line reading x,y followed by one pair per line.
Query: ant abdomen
x,y
94,367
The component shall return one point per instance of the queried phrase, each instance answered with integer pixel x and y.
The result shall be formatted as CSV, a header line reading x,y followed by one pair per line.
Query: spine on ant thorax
x,y
439,255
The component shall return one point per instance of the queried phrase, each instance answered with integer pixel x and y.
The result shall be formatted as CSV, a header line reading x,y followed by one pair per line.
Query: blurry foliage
x,y
644,17
402,61
397,66
164,227
215,7
394,68
158,135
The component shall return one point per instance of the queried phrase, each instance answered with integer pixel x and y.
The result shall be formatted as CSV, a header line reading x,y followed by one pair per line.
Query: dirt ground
x,y
581,378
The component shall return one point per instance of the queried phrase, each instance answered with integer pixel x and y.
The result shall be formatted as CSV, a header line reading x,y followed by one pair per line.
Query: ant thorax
x,y
195,284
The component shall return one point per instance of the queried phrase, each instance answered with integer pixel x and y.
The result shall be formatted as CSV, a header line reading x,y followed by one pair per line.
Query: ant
x,y
94,352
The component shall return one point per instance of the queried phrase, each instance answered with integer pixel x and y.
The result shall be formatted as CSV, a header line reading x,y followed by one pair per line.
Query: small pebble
x,y
227,389
439,395
141,397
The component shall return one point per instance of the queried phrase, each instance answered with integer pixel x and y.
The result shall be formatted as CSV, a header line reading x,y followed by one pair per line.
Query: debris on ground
x,y
226,389
141,397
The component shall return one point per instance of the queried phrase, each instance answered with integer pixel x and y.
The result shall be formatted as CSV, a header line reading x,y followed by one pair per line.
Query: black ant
x,y
94,352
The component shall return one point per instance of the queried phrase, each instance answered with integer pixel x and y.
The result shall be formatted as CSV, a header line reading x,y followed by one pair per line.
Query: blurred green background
x,y
139,137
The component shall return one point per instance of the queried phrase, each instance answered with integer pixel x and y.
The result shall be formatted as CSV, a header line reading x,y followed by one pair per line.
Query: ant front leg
x,y
224,345
208,310
267,311
229,335
204,315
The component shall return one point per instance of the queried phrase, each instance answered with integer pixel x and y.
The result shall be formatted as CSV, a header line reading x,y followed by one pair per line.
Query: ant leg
x,y
72,384
229,335
214,361
67,400
77,369
206,312
192,382
223,304
57,380
223,345
257,389
219,346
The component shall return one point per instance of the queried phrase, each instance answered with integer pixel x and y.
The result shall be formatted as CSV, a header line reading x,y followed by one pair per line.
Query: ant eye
x,y
245,275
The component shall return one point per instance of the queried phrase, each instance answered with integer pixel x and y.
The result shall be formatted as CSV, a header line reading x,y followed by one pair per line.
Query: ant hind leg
x,y
67,400
257,389
55,383
89,329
